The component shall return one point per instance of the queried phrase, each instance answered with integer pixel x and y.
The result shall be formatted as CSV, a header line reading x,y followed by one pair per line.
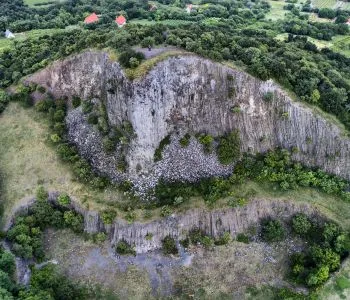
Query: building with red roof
x,y
93,18
120,21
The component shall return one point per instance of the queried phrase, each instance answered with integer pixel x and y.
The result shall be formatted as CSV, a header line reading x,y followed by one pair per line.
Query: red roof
x,y
120,20
91,19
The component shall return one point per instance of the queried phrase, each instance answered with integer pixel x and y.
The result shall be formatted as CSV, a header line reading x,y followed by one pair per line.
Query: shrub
x,y
76,101
109,145
147,41
159,150
92,119
166,211
44,105
124,248
63,199
55,138
224,239
149,236
318,276
124,57
41,194
301,224
272,230
268,96
185,140
41,89
108,216
242,238
169,245
228,150
207,142
87,106
100,237
74,221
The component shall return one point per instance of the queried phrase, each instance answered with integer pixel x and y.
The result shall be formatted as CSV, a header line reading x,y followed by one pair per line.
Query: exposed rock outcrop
x,y
189,94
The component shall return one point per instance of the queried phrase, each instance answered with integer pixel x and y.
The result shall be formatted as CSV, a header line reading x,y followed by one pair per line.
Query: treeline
x,y
317,76
19,17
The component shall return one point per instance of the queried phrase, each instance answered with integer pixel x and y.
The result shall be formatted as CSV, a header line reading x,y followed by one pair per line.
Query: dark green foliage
x,y
224,239
123,248
26,233
76,101
92,119
158,153
185,140
87,106
169,245
108,216
268,97
63,199
126,58
74,221
41,89
41,194
207,142
301,224
242,238
47,281
228,150
272,230
322,255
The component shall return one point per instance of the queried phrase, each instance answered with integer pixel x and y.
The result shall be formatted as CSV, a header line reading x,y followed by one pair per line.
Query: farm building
x,y
121,21
9,34
93,18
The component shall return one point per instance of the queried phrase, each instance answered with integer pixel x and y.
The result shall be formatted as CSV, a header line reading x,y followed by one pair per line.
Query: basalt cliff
x,y
188,94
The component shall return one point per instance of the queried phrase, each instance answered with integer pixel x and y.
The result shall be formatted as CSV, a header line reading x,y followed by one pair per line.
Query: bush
x,y
185,140
124,57
301,224
228,150
166,211
123,248
207,142
74,221
108,216
63,199
41,194
92,119
272,230
159,150
147,41
242,238
76,101
268,96
224,239
87,106
169,245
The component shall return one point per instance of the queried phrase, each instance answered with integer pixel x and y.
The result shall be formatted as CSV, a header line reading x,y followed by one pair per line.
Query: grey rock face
x,y
190,94
213,223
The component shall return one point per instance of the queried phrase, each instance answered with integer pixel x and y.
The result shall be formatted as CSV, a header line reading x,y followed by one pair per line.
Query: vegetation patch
x,y
27,232
228,150
124,248
169,246
158,152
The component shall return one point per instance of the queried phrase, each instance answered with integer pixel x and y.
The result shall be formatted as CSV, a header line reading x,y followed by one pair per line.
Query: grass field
x,y
324,3
276,12
41,3
165,22
26,160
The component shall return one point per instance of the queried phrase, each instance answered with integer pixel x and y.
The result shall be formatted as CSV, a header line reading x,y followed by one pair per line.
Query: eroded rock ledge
x,y
212,222
189,94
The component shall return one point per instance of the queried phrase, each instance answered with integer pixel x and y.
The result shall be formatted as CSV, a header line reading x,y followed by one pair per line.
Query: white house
x,y
9,34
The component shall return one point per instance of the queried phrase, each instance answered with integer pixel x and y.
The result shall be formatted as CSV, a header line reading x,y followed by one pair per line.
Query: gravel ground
x,y
178,163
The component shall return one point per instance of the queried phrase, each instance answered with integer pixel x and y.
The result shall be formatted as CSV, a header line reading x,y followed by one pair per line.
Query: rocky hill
x,y
188,94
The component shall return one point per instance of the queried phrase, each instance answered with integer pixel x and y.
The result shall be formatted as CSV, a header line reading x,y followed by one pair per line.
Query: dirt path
x,y
155,51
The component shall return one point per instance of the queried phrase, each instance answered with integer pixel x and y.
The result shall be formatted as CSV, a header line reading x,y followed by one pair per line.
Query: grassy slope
x,y
26,160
